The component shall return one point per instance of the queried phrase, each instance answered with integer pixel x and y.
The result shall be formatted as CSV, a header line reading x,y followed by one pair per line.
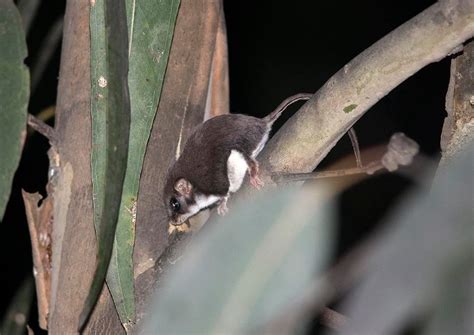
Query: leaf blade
x,y
151,27
419,260
110,109
14,95
247,268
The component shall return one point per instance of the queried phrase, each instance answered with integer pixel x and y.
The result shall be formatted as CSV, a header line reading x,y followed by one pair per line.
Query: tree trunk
x,y
74,240
182,106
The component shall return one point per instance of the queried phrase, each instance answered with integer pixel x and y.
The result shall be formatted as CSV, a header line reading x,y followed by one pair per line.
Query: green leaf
x,y
247,267
420,262
14,95
16,317
452,314
110,108
151,25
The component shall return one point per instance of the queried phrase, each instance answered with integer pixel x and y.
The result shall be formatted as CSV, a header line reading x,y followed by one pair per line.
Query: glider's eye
x,y
175,205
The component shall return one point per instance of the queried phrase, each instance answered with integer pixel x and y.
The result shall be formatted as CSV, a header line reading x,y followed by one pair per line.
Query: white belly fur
x,y
204,201
236,168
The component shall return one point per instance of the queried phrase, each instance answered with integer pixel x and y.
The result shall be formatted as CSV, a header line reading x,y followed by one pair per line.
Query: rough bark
x,y
181,108
458,129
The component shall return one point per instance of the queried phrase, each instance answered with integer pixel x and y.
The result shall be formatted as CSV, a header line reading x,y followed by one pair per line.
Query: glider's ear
x,y
183,187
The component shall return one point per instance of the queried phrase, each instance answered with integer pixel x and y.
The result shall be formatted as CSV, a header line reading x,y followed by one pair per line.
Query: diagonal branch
x,y
313,131
42,128
400,152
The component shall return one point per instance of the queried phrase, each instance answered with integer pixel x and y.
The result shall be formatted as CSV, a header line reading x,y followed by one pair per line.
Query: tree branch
x,y
181,108
370,168
42,128
313,131
400,151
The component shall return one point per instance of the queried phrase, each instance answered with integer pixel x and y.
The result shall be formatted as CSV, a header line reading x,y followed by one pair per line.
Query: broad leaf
x,y
421,263
110,108
247,268
14,94
151,25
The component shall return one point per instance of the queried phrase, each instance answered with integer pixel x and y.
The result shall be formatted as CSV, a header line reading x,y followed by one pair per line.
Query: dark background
x,y
276,48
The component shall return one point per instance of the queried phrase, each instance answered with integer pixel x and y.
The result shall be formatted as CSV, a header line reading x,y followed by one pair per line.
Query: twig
x,y
292,177
42,128
46,114
400,151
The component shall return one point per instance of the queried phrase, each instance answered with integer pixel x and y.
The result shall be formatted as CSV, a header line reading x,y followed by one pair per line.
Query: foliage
x,y
14,95
110,108
243,271
422,261
150,27
248,266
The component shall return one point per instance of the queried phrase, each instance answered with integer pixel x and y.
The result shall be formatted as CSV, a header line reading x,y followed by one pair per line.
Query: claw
x,y
256,182
222,209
